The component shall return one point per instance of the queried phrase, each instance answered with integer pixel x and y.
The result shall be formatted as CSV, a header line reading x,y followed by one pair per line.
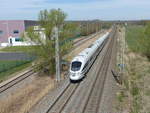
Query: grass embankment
x,y
134,38
7,68
137,40
137,73
19,48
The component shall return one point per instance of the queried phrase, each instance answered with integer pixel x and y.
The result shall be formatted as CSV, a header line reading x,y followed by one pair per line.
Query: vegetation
x,y
9,67
120,96
147,40
90,27
138,39
45,53
134,86
106,25
18,48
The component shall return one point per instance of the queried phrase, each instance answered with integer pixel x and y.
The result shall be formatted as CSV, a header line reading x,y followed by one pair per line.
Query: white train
x,y
83,61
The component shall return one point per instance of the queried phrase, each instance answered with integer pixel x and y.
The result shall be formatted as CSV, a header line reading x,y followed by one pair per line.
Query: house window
x,y
16,31
18,39
1,32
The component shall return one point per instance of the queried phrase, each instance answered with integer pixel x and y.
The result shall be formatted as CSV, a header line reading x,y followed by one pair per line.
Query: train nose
x,y
75,76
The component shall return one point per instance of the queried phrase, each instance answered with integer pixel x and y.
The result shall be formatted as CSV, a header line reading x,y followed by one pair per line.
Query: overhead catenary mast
x,y
57,57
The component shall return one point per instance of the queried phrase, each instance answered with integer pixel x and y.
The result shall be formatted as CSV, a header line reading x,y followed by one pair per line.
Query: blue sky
x,y
77,9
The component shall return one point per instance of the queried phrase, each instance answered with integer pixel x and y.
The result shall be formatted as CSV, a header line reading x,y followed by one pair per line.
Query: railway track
x,y
91,94
16,80
93,101
60,103
85,96
29,73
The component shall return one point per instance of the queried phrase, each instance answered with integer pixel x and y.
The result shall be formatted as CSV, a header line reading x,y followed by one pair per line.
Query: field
x,y
135,37
9,67
137,40
137,70
18,49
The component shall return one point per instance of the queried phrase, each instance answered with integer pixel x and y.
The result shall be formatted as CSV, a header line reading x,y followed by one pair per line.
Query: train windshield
x,y
75,66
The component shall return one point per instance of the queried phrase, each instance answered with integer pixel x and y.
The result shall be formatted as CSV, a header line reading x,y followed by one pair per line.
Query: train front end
x,y
75,71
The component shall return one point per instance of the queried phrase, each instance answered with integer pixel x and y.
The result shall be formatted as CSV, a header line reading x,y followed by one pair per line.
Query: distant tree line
x,y
89,27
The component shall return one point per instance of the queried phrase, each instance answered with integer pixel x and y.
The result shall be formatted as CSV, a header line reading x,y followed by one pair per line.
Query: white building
x,y
16,41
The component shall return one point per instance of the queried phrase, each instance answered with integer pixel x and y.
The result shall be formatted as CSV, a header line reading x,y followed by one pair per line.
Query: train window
x,y
76,66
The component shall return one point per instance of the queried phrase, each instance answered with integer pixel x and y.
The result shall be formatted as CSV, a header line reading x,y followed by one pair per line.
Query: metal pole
x,y
57,59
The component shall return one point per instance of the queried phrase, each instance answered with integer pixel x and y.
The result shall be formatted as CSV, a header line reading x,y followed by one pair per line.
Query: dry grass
x,y
136,83
121,95
138,78
24,99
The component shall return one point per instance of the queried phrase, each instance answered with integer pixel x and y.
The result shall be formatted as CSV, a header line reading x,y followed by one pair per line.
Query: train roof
x,y
83,55
86,53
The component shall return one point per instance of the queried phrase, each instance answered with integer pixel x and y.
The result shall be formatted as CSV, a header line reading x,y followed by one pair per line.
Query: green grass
x,y
120,96
7,68
138,42
7,65
135,38
19,49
